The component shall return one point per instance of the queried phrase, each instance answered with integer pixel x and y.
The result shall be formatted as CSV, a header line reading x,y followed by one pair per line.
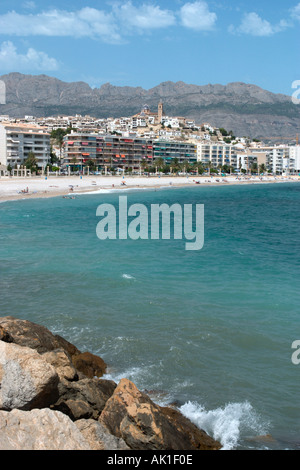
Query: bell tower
x,y
160,111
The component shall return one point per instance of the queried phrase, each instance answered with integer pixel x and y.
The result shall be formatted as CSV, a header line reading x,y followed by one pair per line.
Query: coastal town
x,y
145,143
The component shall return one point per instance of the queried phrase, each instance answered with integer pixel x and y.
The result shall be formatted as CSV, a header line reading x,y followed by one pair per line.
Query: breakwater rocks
x,y
54,397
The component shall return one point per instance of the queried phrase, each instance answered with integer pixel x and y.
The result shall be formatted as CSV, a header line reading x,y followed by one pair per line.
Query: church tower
x,y
160,111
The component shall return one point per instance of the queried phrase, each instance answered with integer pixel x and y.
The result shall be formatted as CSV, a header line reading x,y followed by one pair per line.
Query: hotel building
x,y
107,151
18,140
171,149
124,152
218,154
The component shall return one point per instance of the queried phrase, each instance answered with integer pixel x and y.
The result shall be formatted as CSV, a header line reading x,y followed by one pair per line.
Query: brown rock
x,y
132,416
5,336
61,361
89,364
186,428
67,346
84,399
75,409
32,335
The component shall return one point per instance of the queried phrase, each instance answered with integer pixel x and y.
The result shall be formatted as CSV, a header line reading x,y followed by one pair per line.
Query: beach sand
x,y
54,186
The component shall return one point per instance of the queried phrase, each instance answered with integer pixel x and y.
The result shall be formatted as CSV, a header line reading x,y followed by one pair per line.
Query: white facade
x,y
295,157
218,154
170,122
278,160
18,140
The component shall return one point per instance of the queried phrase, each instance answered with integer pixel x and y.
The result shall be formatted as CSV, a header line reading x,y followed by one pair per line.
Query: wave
x,y
128,276
115,190
228,425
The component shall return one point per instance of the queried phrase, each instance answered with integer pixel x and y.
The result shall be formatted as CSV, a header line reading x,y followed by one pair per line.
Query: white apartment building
x,y
279,159
295,157
170,122
17,140
218,154
247,160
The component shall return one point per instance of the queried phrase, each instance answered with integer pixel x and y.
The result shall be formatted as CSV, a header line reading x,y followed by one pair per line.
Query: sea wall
x,y
54,397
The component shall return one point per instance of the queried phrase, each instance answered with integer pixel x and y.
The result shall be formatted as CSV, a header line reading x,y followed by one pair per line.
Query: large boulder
x,y
62,363
89,364
143,425
99,437
38,337
26,380
32,335
39,370
85,398
39,430
4,335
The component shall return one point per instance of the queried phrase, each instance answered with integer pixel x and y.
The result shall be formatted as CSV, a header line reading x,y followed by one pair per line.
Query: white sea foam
x,y
138,375
127,276
227,425
131,374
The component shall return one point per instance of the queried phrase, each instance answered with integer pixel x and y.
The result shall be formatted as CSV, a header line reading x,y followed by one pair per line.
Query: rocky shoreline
x,y
53,397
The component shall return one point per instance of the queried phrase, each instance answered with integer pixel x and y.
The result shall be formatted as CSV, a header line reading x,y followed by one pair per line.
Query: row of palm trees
x,y
197,167
159,165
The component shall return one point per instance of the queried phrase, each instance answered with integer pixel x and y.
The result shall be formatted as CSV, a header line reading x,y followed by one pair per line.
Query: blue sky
x,y
144,43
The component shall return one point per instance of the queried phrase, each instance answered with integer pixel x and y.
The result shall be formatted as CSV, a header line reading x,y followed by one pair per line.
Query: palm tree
x,y
175,164
185,167
209,166
160,163
31,162
144,165
254,167
73,162
91,164
262,168
200,166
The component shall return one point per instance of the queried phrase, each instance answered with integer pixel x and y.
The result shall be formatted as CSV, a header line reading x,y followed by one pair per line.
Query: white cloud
x,y
29,5
254,25
108,26
87,22
197,16
33,60
144,17
295,12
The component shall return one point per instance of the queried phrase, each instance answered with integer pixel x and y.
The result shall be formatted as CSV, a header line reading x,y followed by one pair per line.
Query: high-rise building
x,y
18,140
107,151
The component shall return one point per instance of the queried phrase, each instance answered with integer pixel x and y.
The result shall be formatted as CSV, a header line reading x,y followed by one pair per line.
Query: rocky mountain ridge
x,y
246,109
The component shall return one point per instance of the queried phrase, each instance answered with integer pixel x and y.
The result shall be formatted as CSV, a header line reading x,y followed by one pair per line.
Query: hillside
x,y
244,108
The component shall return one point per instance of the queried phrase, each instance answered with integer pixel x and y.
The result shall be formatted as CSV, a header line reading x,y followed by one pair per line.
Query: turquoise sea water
x,y
211,330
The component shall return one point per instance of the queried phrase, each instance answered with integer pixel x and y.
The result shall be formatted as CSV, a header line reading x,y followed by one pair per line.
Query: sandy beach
x,y
54,186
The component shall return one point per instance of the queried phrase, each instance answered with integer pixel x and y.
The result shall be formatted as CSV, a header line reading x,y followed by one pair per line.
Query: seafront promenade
x,y
52,186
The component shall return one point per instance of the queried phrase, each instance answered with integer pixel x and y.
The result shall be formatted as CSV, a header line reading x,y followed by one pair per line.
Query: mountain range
x,y
246,109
